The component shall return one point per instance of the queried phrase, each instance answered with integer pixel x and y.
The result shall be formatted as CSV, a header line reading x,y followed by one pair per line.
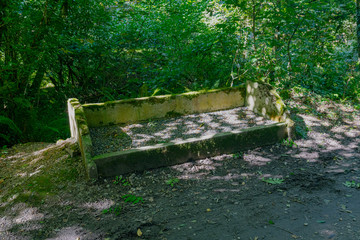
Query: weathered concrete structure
x,y
258,97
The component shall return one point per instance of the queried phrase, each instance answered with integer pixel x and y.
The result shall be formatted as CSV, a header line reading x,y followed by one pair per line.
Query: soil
x,y
123,137
297,189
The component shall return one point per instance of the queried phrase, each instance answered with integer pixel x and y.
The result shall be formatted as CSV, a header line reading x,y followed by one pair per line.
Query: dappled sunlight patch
x,y
43,151
198,168
164,134
328,233
5,224
35,160
22,174
347,154
339,137
228,177
73,232
309,143
332,144
28,214
336,169
196,176
18,156
269,175
221,190
312,160
99,205
26,217
181,167
36,172
11,199
206,165
106,139
62,158
223,157
257,160
247,175
309,156
352,134
312,119
339,129
355,144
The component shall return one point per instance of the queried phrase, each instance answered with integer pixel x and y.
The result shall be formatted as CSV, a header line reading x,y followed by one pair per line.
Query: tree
x,y
358,27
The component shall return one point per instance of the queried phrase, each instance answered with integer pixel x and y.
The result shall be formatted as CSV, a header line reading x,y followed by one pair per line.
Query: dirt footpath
x,y
303,189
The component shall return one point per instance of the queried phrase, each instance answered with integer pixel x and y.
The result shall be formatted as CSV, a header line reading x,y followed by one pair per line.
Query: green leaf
x,y
7,121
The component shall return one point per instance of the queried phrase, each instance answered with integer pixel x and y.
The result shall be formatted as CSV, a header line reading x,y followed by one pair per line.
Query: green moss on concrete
x,y
173,114
138,102
192,95
94,106
112,164
258,93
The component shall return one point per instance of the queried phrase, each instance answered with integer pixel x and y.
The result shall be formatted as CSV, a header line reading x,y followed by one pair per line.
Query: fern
x,y
6,138
7,121
11,125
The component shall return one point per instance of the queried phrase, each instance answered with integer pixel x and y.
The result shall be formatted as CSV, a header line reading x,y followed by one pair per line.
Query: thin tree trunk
x,y
358,27
254,23
288,46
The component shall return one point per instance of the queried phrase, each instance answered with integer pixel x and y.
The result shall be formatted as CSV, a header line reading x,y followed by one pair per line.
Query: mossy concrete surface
x,y
263,99
139,109
80,131
160,155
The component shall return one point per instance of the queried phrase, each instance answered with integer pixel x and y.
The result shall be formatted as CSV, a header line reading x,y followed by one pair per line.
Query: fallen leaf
x,y
208,210
139,232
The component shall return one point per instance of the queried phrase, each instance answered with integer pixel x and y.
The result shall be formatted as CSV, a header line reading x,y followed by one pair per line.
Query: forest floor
x,y
313,193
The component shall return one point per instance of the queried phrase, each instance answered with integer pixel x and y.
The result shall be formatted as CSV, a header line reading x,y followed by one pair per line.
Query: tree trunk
x,y
254,23
358,27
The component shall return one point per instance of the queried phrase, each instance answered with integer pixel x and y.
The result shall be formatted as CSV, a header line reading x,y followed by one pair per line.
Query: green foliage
x,y
132,199
116,210
352,184
238,155
172,181
119,180
9,129
101,50
289,143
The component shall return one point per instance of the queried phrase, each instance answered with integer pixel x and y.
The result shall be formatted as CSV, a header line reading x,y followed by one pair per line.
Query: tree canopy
x,y
100,50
